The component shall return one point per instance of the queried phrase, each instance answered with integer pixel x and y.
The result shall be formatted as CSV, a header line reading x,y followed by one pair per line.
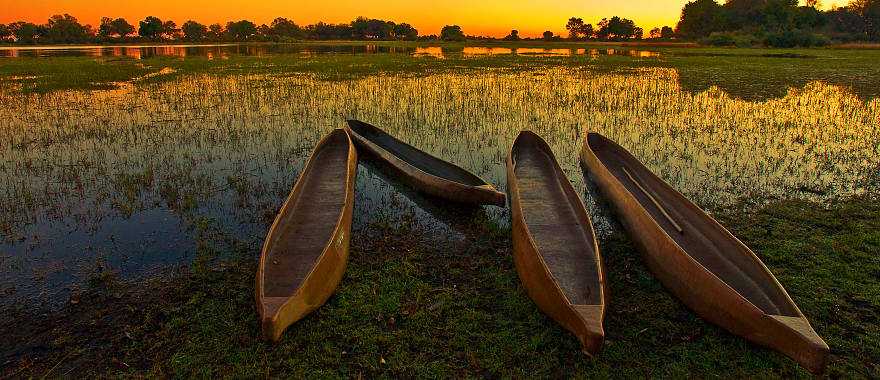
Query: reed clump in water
x,y
231,145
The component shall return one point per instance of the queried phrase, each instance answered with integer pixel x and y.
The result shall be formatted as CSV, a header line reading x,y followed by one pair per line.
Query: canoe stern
x,y
592,333
800,341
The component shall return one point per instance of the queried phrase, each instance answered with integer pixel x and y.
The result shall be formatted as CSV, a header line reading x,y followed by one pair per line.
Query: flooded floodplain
x,y
170,163
222,51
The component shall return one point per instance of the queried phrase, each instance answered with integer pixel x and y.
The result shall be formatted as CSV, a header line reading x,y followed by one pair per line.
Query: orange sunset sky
x,y
486,17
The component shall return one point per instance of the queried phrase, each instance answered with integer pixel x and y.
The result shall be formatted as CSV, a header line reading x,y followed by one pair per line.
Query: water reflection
x,y
210,51
434,51
158,174
555,52
227,50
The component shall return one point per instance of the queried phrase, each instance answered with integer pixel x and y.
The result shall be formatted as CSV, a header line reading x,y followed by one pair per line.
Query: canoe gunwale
x,y
428,182
579,208
344,213
751,254
702,290
592,340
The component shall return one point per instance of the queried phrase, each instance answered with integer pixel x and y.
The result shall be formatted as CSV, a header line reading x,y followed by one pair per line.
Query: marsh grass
x,y
753,74
246,135
415,304
184,162
228,145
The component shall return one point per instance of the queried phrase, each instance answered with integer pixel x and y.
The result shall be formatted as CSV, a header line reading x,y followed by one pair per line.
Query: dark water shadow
x,y
761,55
604,217
765,76
459,217
207,51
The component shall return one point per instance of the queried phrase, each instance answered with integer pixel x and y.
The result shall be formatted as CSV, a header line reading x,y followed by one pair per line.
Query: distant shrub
x,y
783,39
719,39
731,39
795,38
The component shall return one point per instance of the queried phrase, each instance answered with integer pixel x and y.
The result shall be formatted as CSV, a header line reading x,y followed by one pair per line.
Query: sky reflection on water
x,y
227,50
150,176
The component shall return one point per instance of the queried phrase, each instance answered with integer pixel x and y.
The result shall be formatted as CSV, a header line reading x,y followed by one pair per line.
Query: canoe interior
x,y
563,238
702,238
415,157
305,228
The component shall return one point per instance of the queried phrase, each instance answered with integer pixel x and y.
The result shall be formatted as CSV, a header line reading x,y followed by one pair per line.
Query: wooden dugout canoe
x,y
554,245
306,250
423,171
698,260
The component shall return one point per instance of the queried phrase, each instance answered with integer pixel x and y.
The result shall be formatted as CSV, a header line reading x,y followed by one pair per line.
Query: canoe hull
x,y
698,288
278,313
428,183
584,321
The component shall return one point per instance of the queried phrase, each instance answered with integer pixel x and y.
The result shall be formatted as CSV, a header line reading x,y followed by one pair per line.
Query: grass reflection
x,y
230,146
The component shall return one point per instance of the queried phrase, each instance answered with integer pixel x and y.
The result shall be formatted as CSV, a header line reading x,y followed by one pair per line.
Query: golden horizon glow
x,y
488,18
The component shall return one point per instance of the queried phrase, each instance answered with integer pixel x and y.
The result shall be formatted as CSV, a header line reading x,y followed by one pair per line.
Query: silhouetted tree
x,y
700,18
122,28
844,23
739,22
779,15
264,33
151,27
513,36
324,31
451,33
115,27
5,33
241,30
26,32
779,22
602,28
170,30
66,29
193,31
359,27
283,27
404,31
637,33
758,15
548,35
372,29
215,32
575,27
741,14
104,28
618,28
587,31
870,12
808,18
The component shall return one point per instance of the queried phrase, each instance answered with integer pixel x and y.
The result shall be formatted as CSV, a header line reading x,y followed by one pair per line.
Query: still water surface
x,y
148,176
228,50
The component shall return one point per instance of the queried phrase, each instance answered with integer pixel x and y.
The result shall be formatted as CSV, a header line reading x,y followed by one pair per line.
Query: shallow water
x,y
228,50
149,176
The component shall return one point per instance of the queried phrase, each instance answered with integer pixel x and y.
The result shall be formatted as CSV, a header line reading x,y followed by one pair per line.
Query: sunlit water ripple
x,y
137,179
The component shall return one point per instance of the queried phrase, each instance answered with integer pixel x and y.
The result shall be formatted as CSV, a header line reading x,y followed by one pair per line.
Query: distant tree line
x,y
778,23
613,29
65,29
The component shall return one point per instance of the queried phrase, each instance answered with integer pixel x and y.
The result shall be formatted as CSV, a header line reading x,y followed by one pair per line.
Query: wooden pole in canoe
x,y
654,200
